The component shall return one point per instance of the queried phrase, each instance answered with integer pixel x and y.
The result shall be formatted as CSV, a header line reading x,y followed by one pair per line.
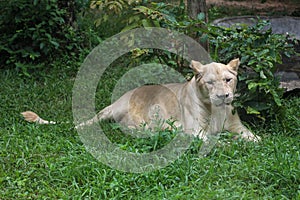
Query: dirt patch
x,y
260,7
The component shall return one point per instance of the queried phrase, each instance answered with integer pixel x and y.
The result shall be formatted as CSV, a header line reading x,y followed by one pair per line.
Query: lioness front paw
x,y
251,137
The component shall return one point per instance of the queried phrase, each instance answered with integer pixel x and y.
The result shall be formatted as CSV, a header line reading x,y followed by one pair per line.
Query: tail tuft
x,y
33,117
30,116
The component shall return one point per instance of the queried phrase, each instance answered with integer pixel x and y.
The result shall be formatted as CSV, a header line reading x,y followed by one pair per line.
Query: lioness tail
x,y
33,117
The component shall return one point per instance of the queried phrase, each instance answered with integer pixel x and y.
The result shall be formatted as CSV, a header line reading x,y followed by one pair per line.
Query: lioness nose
x,y
223,96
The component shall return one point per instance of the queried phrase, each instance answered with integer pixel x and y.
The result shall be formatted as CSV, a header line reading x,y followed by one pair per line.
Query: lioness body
x,y
201,106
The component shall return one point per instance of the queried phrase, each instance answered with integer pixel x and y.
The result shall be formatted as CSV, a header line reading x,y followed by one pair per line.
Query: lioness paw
x,y
251,137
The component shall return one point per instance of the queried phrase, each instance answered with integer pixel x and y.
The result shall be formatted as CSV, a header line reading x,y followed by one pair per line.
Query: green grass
x,y
50,162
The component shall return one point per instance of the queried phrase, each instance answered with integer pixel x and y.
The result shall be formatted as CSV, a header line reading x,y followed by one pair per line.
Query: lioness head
x,y
216,81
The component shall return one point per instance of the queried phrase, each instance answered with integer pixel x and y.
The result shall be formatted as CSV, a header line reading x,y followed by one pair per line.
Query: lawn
x,y
51,162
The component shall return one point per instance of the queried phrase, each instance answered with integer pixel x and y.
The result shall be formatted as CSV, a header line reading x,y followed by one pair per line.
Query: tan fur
x,y
33,117
30,116
202,106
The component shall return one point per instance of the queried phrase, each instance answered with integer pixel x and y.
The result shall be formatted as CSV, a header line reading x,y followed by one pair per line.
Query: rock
x,y
290,86
280,25
288,80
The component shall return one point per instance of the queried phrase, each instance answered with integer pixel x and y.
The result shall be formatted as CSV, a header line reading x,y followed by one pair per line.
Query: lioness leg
x,y
235,125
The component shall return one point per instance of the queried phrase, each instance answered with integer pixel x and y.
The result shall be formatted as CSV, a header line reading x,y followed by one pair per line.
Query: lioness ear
x,y
234,64
196,66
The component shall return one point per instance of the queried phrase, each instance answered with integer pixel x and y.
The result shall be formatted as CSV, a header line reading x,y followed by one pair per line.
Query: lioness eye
x,y
228,80
209,82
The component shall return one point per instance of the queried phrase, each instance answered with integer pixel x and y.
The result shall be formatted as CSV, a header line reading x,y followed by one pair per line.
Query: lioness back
x,y
150,103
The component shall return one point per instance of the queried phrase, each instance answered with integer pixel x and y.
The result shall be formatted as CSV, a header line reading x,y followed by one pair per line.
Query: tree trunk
x,y
194,8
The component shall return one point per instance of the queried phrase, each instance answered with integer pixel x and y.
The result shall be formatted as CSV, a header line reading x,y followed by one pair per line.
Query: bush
x,y
34,30
117,15
148,14
259,51
111,16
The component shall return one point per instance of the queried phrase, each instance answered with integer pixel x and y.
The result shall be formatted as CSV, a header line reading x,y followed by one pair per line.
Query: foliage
x,y
118,15
259,51
170,16
34,30
151,14
135,14
110,16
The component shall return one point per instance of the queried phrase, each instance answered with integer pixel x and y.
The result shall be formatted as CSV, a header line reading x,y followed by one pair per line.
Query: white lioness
x,y
202,106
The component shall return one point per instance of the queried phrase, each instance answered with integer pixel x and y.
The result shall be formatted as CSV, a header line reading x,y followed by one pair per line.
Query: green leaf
x,y
251,110
156,23
132,26
264,52
55,44
262,75
201,16
172,19
244,58
276,97
287,54
252,86
252,61
42,45
147,23
204,38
